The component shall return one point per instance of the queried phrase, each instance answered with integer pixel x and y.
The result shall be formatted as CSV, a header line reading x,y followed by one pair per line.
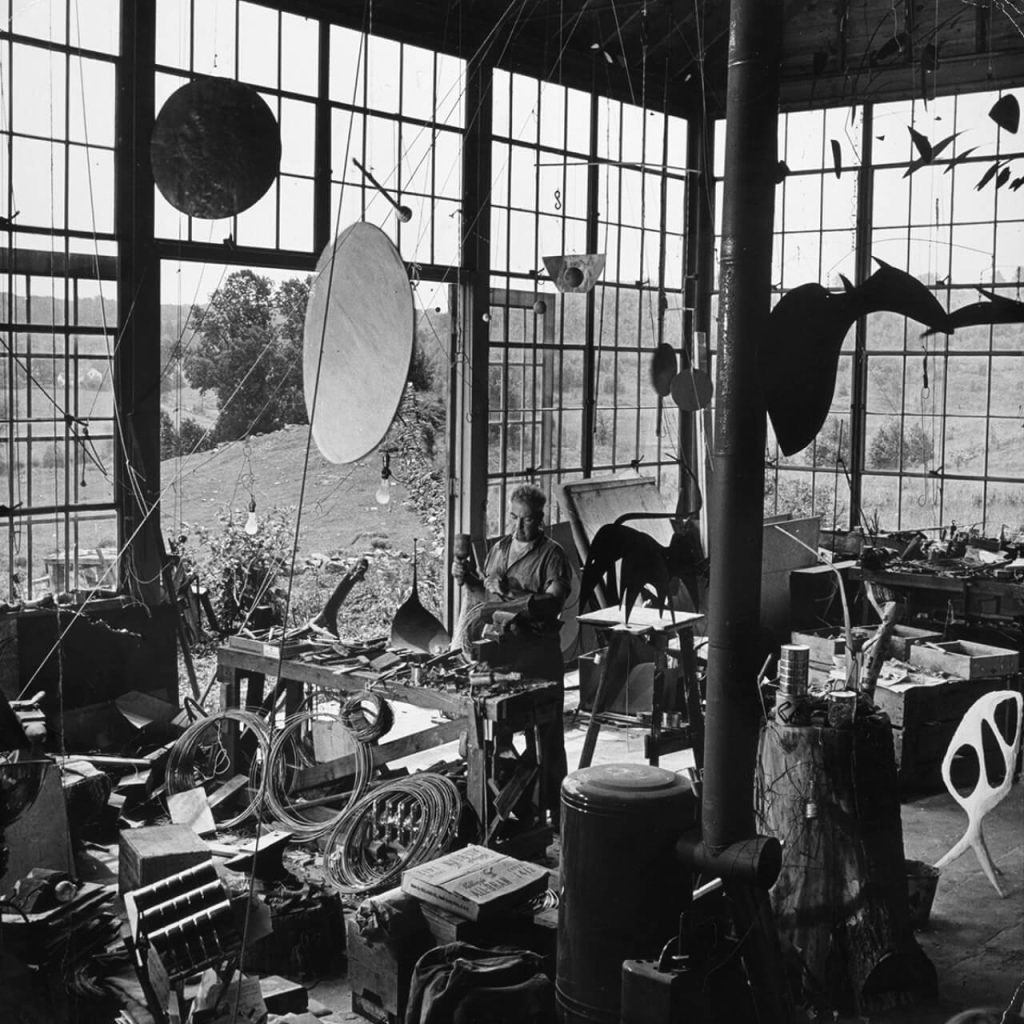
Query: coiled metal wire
x,y
291,752
368,716
201,755
397,825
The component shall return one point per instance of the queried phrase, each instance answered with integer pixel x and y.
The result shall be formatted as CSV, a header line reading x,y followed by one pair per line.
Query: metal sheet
x,y
358,335
215,148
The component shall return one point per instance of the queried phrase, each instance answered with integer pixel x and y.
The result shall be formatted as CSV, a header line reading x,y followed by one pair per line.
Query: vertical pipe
x,y
859,390
137,359
323,227
737,491
698,273
590,354
468,388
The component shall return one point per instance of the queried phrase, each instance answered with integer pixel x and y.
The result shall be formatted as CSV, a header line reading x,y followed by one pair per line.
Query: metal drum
x,y
622,887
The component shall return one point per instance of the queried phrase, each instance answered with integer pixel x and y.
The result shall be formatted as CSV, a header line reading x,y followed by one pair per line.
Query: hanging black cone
x,y
416,629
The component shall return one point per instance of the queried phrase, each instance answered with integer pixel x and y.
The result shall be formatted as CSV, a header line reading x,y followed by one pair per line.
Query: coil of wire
x,y
290,752
395,826
368,716
201,755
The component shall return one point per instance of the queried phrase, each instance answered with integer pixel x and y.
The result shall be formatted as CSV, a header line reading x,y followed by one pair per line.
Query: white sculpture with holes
x,y
985,795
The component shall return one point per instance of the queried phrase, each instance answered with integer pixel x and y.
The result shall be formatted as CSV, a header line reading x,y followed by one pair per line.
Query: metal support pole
x,y
467,503
737,489
137,359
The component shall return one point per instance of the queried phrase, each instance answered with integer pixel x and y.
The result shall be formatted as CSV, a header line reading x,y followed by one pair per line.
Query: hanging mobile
x,y
404,213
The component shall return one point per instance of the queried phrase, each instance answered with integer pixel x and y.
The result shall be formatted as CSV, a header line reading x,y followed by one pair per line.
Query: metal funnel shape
x,y
413,627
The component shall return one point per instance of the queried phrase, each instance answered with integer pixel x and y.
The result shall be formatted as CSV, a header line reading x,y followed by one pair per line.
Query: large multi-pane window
x,y
568,371
397,111
58,314
938,414
641,202
275,52
371,130
815,241
943,412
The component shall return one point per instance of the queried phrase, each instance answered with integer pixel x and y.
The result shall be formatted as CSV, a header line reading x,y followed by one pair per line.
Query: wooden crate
x,y
925,712
965,659
148,854
824,644
904,637
380,972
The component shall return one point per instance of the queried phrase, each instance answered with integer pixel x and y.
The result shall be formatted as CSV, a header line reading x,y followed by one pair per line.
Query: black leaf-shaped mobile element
x,y
1006,113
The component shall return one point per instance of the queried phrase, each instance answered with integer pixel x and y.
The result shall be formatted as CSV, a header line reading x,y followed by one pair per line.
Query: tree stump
x,y
830,796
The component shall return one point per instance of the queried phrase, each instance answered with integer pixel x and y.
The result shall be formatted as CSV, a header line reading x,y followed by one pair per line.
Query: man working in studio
x,y
524,584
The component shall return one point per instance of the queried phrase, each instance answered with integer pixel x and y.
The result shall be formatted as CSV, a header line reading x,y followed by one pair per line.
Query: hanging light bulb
x,y
383,493
252,526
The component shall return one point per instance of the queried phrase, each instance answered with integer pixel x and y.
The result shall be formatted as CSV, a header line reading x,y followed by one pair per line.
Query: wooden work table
x,y
487,719
973,596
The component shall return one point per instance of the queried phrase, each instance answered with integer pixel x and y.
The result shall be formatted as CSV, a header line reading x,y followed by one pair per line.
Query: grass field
x,y
335,510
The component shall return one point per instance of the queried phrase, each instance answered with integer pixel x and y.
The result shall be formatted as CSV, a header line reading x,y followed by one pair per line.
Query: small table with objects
x,y
658,628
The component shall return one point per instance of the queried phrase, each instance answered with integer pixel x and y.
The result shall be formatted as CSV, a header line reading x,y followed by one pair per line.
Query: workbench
x,y
973,595
487,719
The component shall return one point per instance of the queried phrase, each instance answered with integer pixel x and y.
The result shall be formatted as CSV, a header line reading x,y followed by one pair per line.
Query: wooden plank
x,y
319,774
244,662
227,790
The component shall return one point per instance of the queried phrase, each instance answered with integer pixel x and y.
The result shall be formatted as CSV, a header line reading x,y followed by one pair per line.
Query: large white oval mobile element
x,y
360,312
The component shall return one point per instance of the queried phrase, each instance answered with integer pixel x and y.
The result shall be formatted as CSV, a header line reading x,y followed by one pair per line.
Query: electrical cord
x,y
197,757
396,826
290,753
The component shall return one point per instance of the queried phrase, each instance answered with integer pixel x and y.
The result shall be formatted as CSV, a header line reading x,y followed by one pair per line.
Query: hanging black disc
x,y
215,149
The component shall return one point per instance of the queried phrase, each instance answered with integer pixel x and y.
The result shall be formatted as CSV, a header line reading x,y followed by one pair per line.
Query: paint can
x,y
842,707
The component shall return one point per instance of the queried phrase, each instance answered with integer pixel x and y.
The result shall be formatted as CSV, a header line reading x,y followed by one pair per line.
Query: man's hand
x,y
463,571
496,584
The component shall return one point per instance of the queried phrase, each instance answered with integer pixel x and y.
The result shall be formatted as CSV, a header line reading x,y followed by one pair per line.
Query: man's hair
x,y
529,494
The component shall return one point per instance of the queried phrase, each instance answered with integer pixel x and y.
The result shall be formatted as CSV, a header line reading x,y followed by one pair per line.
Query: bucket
x,y
922,881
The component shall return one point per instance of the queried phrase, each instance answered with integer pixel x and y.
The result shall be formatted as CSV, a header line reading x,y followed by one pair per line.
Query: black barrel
x,y
622,888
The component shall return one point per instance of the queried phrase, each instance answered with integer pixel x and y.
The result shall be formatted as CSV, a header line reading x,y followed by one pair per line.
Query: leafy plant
x,y
241,570
184,440
893,447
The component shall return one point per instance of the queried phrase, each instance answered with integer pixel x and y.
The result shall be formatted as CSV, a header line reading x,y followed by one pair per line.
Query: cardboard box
x,y
475,883
965,660
632,694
